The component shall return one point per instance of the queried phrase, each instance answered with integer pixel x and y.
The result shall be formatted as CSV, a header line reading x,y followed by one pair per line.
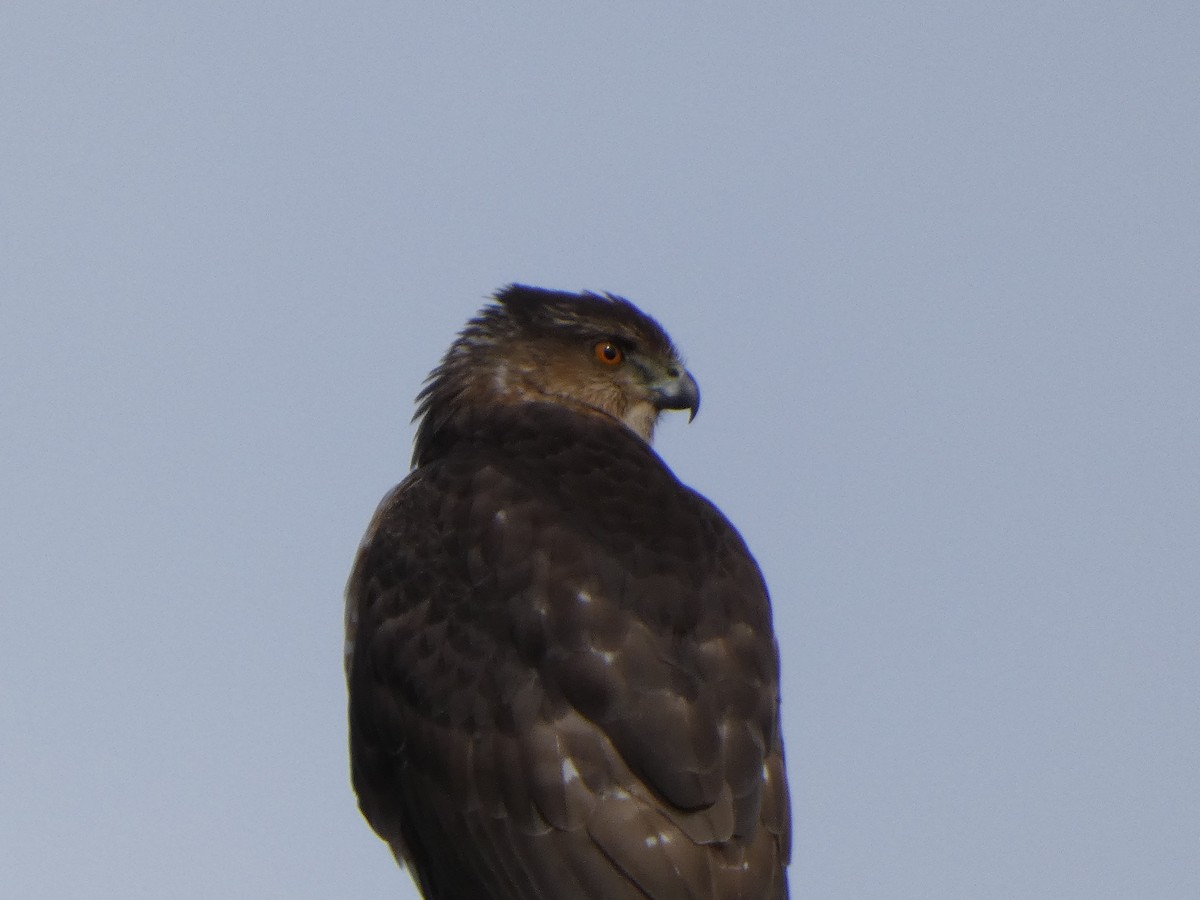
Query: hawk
x,y
563,679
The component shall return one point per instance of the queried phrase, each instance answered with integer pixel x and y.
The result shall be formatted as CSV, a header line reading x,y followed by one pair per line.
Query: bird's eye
x,y
608,353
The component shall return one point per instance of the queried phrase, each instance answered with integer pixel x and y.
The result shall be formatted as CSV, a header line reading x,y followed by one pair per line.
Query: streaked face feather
x,y
534,345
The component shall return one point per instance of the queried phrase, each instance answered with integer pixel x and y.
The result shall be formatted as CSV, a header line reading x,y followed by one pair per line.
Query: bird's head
x,y
597,354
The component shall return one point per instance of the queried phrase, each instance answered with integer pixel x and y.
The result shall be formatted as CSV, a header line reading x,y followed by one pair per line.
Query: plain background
x,y
935,265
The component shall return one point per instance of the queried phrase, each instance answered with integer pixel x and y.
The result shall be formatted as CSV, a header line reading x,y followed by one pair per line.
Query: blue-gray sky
x,y
935,266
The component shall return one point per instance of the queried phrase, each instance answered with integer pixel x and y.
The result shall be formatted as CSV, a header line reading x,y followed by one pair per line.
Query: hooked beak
x,y
678,390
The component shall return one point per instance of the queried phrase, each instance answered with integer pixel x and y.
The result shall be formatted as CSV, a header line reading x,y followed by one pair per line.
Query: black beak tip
x,y
680,393
689,393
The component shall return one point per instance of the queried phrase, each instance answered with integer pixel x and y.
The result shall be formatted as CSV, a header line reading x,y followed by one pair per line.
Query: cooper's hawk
x,y
563,677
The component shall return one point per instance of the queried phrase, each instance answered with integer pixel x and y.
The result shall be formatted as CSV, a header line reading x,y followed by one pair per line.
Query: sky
x,y
934,265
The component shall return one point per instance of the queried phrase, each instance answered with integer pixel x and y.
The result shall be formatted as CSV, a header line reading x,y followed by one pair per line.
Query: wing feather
x,y
563,678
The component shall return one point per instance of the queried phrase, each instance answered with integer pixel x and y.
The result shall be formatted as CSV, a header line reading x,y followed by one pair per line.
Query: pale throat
x,y
640,418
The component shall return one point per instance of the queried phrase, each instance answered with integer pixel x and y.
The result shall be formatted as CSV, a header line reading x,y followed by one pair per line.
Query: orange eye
x,y
608,353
